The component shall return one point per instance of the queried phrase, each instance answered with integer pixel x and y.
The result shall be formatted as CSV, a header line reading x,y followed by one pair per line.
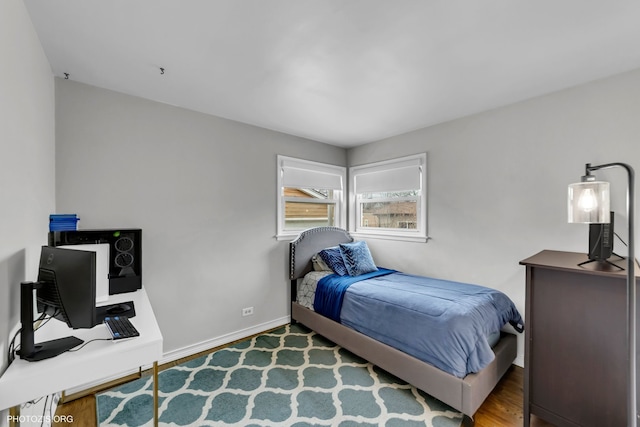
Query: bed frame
x,y
464,394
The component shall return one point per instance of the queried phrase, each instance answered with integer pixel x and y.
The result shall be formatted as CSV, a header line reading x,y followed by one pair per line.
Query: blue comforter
x,y
443,323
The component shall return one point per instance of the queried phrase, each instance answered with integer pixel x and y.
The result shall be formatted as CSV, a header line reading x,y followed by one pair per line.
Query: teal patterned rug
x,y
288,377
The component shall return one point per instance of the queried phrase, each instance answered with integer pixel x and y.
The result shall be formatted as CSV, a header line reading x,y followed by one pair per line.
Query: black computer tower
x,y
125,253
601,240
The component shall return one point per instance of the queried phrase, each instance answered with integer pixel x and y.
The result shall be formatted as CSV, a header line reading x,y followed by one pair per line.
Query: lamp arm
x,y
631,287
589,168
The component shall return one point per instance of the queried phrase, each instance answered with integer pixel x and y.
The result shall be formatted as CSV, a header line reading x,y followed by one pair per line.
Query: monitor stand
x,y
53,348
28,349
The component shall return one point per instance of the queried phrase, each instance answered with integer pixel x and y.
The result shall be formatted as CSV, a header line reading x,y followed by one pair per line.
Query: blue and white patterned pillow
x,y
357,258
333,258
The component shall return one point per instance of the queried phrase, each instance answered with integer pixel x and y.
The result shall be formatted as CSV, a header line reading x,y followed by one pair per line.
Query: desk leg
x,y
155,394
14,414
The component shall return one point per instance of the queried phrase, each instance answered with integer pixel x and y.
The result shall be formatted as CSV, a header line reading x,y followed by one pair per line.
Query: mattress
x,y
360,309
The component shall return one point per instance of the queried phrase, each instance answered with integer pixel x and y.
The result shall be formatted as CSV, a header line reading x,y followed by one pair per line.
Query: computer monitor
x,y
65,290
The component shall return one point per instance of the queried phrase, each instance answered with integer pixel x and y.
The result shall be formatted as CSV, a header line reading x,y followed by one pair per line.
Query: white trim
x,y
310,201
287,236
390,236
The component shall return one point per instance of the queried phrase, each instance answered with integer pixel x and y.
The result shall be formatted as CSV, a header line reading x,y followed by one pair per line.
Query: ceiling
x,y
344,72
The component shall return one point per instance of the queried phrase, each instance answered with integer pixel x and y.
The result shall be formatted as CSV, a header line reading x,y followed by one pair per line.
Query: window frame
x,y
314,169
419,234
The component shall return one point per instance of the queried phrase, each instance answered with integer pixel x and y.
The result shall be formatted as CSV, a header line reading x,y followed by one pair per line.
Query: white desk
x,y
98,360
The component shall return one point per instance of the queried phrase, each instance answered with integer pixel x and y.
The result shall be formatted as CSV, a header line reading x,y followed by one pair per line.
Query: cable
x,y
620,238
87,342
31,402
44,319
11,352
44,410
53,400
11,355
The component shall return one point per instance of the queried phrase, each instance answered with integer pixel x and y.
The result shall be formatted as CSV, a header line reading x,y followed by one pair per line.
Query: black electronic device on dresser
x,y
601,237
125,253
601,240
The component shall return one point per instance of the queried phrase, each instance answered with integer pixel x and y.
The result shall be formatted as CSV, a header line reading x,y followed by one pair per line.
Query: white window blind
x,y
314,176
400,176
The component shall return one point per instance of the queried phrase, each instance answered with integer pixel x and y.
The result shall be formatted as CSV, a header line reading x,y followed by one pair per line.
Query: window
x,y
310,194
388,199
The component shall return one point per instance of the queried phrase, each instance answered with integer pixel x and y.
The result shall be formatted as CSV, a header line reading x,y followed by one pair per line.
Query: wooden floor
x,y
503,407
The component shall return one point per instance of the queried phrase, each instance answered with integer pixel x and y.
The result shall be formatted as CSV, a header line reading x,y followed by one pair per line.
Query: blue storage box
x,y
63,222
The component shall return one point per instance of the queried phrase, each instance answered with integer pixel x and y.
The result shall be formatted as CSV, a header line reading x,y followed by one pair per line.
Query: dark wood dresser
x,y
575,341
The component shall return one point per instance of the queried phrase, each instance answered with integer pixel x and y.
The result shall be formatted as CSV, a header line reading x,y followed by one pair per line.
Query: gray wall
x,y
202,188
27,159
497,182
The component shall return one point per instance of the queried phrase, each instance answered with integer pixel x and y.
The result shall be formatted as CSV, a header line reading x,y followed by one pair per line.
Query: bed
x,y
462,392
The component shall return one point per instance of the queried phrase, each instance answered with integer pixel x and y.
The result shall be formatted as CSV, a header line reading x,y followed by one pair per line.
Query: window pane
x,y
394,215
300,216
309,193
390,195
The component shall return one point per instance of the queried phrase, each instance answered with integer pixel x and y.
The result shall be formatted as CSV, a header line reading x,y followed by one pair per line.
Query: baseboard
x,y
222,340
185,352
519,361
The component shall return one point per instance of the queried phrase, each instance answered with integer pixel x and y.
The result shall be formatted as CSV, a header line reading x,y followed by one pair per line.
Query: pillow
x,y
319,264
333,258
357,258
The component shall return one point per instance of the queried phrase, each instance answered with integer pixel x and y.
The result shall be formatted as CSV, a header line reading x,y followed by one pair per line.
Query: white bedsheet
x,y
307,288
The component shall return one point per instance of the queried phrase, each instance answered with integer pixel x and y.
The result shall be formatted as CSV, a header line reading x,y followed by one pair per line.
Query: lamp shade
x,y
588,202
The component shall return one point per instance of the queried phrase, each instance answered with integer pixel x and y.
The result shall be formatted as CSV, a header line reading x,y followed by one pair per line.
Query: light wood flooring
x,y
502,408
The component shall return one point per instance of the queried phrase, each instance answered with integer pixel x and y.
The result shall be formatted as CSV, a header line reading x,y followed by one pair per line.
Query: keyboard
x,y
120,327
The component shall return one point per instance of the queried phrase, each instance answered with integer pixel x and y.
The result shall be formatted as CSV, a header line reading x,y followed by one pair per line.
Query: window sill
x,y
280,237
361,235
398,237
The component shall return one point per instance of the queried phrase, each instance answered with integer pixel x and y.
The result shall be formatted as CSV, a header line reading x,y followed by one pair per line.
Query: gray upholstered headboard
x,y
310,242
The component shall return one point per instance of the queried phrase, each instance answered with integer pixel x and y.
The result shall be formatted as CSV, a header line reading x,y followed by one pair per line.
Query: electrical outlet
x,y
247,311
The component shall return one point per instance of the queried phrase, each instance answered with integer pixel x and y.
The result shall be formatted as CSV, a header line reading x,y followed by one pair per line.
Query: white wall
x,y
497,182
203,190
27,159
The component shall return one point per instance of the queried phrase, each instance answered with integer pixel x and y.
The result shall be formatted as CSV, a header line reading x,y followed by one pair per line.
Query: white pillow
x,y
319,264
